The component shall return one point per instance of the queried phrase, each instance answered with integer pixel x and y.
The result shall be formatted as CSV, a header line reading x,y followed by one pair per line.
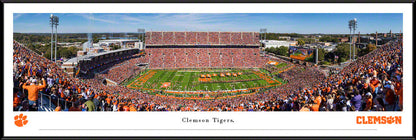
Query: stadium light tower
x,y
354,27
263,32
56,23
141,33
317,53
350,27
52,23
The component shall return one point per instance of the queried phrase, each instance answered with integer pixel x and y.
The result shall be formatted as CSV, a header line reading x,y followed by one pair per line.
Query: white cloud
x,y
133,19
27,24
17,15
175,21
94,18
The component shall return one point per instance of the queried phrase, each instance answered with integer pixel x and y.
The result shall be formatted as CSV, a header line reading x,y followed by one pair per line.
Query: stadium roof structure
x,y
89,57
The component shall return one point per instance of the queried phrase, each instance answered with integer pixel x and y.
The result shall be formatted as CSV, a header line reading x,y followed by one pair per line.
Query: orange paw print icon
x,y
20,120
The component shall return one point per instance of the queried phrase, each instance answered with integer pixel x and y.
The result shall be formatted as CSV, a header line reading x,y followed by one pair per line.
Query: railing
x,y
64,104
58,102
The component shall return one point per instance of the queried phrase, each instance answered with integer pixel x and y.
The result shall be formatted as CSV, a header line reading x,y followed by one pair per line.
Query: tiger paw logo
x,y
20,120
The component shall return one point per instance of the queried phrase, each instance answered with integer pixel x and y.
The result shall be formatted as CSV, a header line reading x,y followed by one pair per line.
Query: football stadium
x,y
203,65
206,71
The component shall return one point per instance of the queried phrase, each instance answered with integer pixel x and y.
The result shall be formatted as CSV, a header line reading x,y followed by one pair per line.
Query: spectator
x,y
89,105
33,90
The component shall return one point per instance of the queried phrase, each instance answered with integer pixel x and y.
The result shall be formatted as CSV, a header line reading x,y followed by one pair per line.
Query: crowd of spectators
x,y
371,83
202,38
103,62
280,62
225,57
213,38
124,70
34,75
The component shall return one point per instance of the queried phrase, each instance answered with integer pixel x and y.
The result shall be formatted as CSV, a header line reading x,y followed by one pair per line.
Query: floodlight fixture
x,y
52,23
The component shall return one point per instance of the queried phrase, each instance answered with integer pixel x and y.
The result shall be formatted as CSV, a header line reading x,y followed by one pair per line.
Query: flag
x,y
28,71
77,72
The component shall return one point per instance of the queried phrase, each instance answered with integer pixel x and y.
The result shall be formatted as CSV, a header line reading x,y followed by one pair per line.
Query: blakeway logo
x,y
379,119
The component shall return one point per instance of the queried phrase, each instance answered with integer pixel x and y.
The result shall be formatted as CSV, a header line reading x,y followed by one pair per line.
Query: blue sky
x,y
333,23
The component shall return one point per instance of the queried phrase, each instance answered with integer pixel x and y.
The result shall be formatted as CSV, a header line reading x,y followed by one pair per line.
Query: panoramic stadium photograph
x,y
118,62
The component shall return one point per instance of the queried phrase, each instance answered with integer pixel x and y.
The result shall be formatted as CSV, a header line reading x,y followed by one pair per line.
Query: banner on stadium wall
x,y
77,72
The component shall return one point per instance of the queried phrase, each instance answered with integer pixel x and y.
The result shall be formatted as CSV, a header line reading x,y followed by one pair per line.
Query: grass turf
x,y
281,65
187,80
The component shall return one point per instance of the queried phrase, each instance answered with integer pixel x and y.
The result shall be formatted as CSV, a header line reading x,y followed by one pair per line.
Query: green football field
x,y
281,65
189,80
297,53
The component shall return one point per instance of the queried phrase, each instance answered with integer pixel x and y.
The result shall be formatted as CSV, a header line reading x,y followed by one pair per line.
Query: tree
x,y
95,38
368,49
267,49
114,47
282,50
328,39
342,51
64,53
73,50
47,54
273,50
310,59
335,40
321,54
301,42
330,56
371,47
325,39
342,60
